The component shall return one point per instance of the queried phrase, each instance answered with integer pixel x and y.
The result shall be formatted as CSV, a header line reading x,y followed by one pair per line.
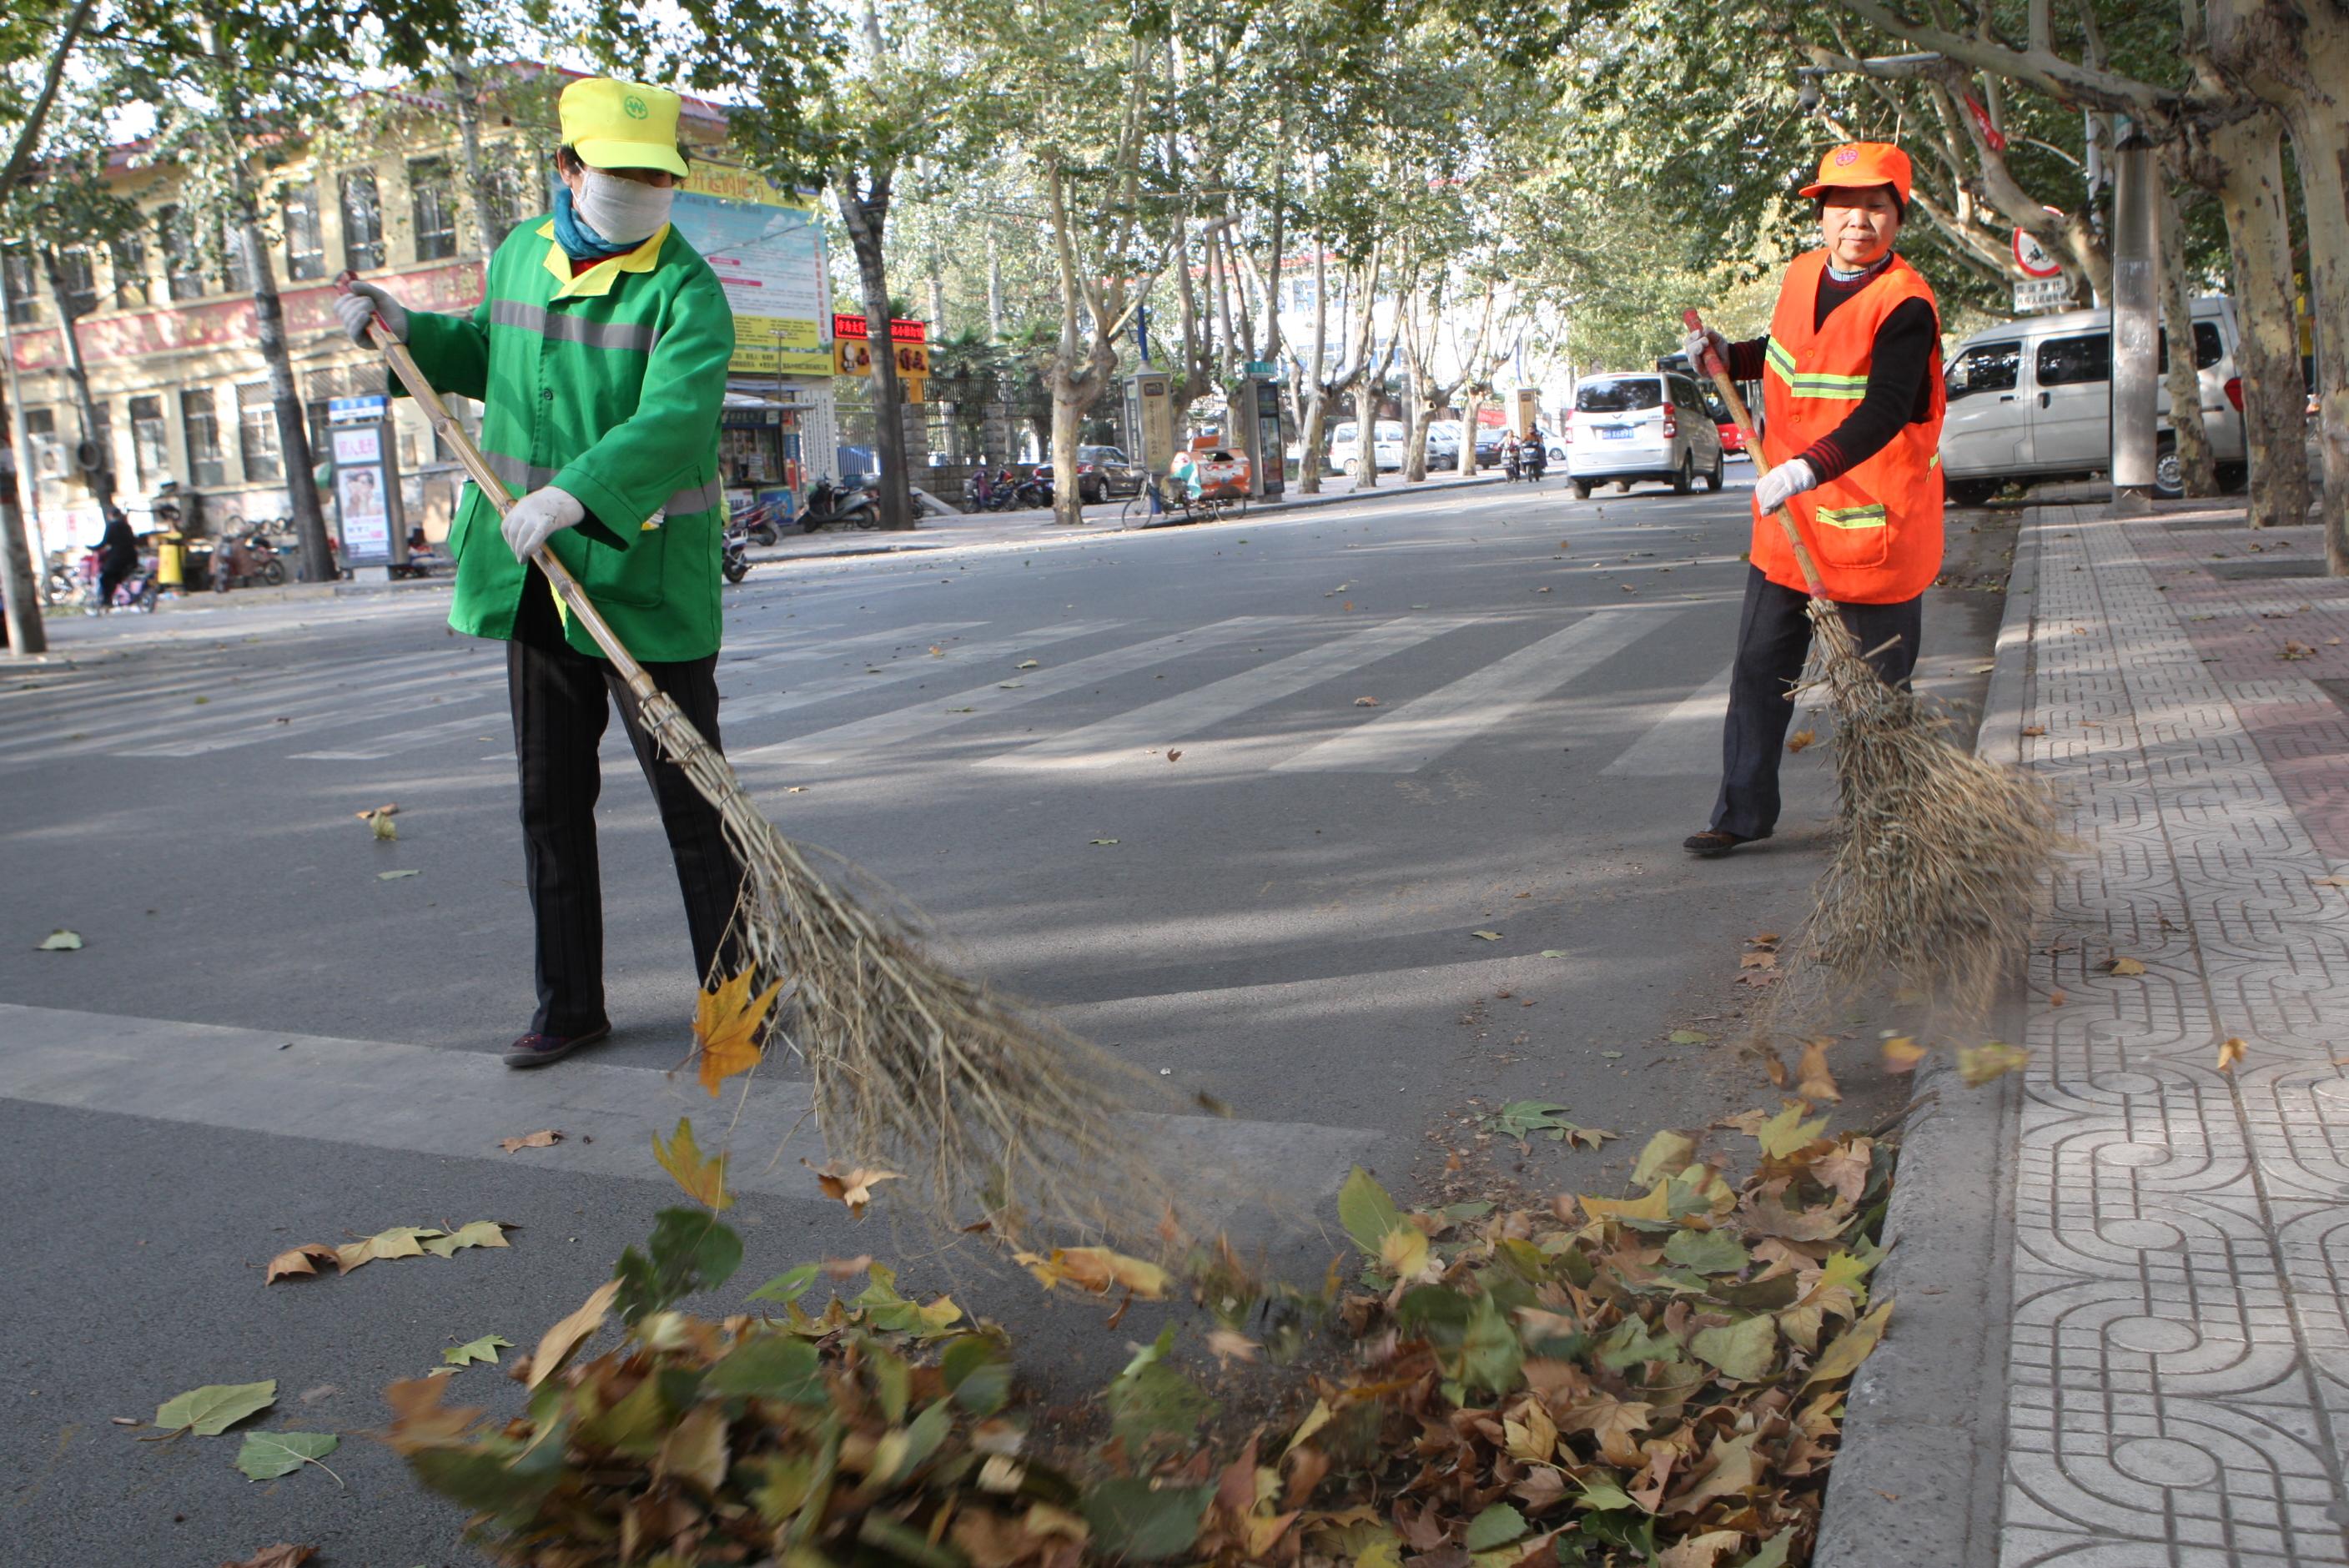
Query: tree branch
x,y
28,135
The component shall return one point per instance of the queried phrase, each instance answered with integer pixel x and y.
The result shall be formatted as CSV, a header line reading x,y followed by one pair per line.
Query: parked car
x,y
1640,425
1386,445
2032,400
1488,445
1105,471
1442,446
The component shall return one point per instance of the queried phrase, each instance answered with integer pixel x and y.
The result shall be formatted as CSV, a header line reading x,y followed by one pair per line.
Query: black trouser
x,y
1773,638
561,701
113,571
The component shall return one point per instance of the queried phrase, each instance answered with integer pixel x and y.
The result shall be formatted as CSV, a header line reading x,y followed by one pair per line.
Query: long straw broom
x,y
1942,851
909,1063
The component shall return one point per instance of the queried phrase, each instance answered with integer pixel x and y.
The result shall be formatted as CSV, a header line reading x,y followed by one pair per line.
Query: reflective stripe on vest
x,y
564,327
1852,516
1812,383
527,477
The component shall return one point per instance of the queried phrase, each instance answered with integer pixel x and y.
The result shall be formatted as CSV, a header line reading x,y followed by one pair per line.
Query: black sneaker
x,y
534,1050
1712,844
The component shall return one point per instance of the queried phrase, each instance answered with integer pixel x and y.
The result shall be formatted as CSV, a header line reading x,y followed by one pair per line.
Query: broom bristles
x,y
1941,852
912,1065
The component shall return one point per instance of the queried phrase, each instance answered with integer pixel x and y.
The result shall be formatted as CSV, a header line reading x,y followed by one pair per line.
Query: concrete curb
x,y
1918,1478
1051,533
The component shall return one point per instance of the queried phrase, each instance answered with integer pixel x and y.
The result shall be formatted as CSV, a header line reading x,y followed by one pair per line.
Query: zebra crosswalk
x,y
1280,695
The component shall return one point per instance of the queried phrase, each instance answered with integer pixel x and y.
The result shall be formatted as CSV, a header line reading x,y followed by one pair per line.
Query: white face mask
x,y
624,212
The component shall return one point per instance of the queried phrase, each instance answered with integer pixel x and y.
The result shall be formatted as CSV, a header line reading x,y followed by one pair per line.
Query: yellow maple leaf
x,y
1801,739
1817,1081
1403,1250
701,1177
1098,1270
728,1023
2231,1051
1902,1054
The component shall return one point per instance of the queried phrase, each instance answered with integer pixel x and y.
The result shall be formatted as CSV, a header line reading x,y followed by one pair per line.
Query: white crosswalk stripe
x,y
912,723
977,651
1684,744
1187,714
1422,729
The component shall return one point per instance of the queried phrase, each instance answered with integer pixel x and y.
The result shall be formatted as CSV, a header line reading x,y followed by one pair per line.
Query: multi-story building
x,y
167,329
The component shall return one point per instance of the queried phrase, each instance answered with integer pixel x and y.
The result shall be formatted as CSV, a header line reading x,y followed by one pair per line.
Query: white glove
x,y
363,305
1697,342
1782,484
539,517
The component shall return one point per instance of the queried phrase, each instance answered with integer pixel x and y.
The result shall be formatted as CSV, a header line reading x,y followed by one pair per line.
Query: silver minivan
x,y
1640,425
2032,400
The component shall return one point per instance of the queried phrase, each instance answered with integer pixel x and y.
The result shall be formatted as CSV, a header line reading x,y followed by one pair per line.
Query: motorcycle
x,y
733,560
854,505
1532,457
1035,491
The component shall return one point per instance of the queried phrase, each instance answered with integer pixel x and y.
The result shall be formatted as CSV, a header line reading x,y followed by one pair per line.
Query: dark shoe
x,y
539,1050
1713,844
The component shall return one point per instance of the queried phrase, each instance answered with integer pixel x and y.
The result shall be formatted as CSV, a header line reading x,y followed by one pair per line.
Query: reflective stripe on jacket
x,y
1876,530
608,385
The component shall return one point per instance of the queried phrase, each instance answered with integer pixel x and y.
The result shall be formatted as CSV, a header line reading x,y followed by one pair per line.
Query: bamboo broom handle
x,y
1722,384
477,467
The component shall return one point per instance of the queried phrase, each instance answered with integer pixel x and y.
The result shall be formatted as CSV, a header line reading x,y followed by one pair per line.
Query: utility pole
x,y
2136,322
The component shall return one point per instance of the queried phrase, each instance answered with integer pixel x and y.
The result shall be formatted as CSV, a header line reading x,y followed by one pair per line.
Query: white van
x,y
2032,400
1640,426
1386,445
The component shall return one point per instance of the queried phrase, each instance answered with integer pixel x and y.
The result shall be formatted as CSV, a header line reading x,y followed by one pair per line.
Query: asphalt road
x,y
1401,724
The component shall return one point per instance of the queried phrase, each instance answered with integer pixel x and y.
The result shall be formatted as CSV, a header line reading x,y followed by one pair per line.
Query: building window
x,y
75,270
150,444
433,196
506,193
130,286
201,420
362,220
17,271
305,245
183,267
256,433
236,274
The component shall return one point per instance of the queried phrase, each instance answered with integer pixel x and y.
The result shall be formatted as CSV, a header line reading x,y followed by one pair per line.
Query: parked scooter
x,y
855,504
734,558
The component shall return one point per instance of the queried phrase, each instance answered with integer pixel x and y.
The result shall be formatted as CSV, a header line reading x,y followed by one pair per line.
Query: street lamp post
x,y
2136,322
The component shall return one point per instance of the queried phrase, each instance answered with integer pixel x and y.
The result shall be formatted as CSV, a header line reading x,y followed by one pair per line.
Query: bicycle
x,y
1183,507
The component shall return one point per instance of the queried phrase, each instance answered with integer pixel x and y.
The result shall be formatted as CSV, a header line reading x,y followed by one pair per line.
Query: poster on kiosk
x,y
368,512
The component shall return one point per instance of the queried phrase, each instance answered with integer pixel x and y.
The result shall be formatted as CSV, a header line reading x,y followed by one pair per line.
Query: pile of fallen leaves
x,y
1653,1379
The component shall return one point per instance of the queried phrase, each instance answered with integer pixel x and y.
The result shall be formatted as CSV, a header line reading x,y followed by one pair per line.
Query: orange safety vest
x,y
1875,531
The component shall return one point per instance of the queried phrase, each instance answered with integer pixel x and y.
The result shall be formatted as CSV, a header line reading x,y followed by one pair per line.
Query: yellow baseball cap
x,y
613,124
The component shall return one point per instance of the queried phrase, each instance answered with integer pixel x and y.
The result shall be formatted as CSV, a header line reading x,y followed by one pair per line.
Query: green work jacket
x,y
606,385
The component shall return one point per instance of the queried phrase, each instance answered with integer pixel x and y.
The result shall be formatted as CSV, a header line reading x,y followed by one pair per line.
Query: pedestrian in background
x,y
1852,401
118,555
600,349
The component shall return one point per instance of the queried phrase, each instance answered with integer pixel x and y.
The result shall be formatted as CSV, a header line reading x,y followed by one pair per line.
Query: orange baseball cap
x,y
1861,163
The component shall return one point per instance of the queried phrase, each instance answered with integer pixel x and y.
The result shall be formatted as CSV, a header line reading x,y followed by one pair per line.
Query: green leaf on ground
x,y
1524,1119
395,876
485,1349
1690,1036
1707,1252
788,1285
1366,1212
268,1454
771,1367
216,1407
1742,1350
60,940
1496,1526
1153,1399
1131,1518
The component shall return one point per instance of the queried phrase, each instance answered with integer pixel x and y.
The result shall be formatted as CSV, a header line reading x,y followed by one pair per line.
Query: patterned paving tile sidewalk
x,y
2179,1360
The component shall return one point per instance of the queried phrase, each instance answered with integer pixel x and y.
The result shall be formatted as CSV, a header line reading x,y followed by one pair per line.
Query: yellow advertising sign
x,y
853,356
766,245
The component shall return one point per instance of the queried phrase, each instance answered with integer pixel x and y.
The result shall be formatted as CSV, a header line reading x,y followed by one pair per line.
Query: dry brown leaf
x,y
1978,1065
1098,1270
298,1261
854,1188
2056,997
846,1268
1902,1054
2231,1051
1801,740
2121,966
1814,1080
555,1346
729,1024
700,1177
418,1418
545,1138
2034,730
1229,1346
1762,959
284,1554
1175,755
1365,701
